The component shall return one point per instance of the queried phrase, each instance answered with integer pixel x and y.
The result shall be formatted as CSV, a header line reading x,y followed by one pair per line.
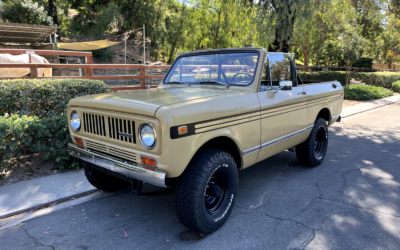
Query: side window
x,y
265,80
282,68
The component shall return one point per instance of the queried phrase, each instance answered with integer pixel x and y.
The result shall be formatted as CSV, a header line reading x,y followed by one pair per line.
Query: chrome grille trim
x,y
120,153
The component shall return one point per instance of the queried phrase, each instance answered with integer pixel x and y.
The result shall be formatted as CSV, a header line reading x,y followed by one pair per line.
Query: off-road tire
x,y
103,181
306,151
190,191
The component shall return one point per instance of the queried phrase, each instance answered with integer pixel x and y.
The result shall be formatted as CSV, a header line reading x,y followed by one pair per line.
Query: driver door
x,y
283,112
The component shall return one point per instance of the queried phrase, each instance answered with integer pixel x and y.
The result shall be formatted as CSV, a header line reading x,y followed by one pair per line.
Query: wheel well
x,y
228,145
325,113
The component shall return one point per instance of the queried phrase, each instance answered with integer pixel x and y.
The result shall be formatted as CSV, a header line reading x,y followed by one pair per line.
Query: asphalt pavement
x,y
351,201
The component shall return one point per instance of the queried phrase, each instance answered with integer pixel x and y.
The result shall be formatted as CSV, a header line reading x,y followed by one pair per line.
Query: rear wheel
x,y
103,181
312,151
206,191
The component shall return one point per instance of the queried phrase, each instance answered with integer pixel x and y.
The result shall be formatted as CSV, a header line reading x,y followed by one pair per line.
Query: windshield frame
x,y
213,53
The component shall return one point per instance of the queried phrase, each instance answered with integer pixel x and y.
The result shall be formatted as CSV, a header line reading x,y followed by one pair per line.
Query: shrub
x,y
396,86
324,76
379,79
24,135
105,55
364,62
44,98
364,92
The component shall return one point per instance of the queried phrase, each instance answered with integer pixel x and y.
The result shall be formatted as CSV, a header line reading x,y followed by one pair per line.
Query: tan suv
x,y
214,113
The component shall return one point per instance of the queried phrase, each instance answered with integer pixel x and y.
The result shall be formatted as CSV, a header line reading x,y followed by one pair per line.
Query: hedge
x,y
379,79
324,76
44,98
365,92
24,135
396,86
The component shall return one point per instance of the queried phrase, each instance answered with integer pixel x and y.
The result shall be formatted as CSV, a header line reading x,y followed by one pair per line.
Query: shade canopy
x,y
92,45
24,33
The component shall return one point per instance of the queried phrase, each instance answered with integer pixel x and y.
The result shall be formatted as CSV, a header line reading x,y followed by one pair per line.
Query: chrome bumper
x,y
134,171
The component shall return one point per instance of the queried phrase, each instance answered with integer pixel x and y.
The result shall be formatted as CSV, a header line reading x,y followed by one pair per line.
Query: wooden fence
x,y
89,67
321,68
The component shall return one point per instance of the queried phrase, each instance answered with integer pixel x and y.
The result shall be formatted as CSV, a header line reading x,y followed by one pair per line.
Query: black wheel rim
x,y
216,191
320,140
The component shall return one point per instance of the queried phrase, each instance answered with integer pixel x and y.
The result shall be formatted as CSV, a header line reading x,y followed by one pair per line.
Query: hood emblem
x,y
125,134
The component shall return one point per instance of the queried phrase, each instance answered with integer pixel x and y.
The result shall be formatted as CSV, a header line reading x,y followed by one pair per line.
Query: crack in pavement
x,y
37,243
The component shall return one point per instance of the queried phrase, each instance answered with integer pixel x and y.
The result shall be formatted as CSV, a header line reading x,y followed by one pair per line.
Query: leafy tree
x,y
282,17
25,11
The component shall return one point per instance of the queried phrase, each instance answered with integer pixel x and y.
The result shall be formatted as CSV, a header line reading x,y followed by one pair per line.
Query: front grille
x,y
122,153
96,146
122,130
113,151
94,124
116,125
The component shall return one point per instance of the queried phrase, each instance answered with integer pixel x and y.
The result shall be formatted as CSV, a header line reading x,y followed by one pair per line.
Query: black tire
x,y
103,181
210,172
312,151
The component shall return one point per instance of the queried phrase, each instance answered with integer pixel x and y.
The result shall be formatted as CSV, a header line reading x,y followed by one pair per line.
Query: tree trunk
x,y
217,30
351,65
347,67
1,13
305,52
282,44
53,11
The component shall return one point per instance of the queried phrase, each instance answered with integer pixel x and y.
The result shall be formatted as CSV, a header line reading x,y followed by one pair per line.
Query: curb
x,y
376,104
14,221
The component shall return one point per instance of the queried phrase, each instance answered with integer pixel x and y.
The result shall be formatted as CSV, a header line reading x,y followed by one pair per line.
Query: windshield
x,y
233,68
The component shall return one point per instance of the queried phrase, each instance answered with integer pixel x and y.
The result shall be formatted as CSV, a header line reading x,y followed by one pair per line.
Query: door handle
x,y
302,93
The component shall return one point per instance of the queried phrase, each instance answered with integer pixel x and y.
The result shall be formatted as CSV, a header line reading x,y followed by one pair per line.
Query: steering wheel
x,y
234,77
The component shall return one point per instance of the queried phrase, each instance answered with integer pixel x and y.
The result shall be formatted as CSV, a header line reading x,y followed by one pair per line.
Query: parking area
x,y
351,201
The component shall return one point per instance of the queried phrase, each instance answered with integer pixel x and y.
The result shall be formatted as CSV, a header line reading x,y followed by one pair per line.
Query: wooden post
x,y
89,60
34,72
143,80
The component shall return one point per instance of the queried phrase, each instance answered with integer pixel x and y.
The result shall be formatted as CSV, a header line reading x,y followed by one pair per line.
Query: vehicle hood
x,y
147,101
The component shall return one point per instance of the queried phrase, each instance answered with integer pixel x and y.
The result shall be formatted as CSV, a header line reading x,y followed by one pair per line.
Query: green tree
x,y
25,11
282,16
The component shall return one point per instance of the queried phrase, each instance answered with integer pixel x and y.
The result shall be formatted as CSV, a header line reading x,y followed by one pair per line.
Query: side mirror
x,y
285,85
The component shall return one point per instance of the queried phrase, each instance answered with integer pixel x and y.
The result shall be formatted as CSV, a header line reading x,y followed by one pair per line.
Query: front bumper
x,y
134,171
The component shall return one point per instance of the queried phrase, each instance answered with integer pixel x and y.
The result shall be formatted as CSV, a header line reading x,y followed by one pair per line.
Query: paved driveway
x,y
351,201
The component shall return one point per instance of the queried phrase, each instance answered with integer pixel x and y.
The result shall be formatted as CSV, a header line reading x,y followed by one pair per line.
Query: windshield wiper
x,y
174,82
212,81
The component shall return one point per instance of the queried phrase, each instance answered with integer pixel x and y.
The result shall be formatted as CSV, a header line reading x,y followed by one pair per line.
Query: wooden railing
x,y
320,68
142,68
89,67
87,55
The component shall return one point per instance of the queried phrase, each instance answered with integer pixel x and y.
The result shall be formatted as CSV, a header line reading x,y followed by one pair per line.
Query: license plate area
x,y
104,163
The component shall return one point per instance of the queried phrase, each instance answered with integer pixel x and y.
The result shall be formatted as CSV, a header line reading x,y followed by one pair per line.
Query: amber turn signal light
x,y
79,141
182,130
148,161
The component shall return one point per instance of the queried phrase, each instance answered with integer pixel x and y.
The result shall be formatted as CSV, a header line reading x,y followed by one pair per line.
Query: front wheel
x,y
206,191
312,151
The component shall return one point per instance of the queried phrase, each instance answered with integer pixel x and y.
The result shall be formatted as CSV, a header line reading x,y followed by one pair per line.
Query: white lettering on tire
x,y
223,215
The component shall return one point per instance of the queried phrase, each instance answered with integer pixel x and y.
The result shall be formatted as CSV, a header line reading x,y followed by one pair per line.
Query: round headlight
x,y
147,136
75,121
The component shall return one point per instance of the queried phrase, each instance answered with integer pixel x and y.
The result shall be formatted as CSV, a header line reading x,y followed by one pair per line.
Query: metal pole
x,y
126,70
125,48
144,45
55,41
51,44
